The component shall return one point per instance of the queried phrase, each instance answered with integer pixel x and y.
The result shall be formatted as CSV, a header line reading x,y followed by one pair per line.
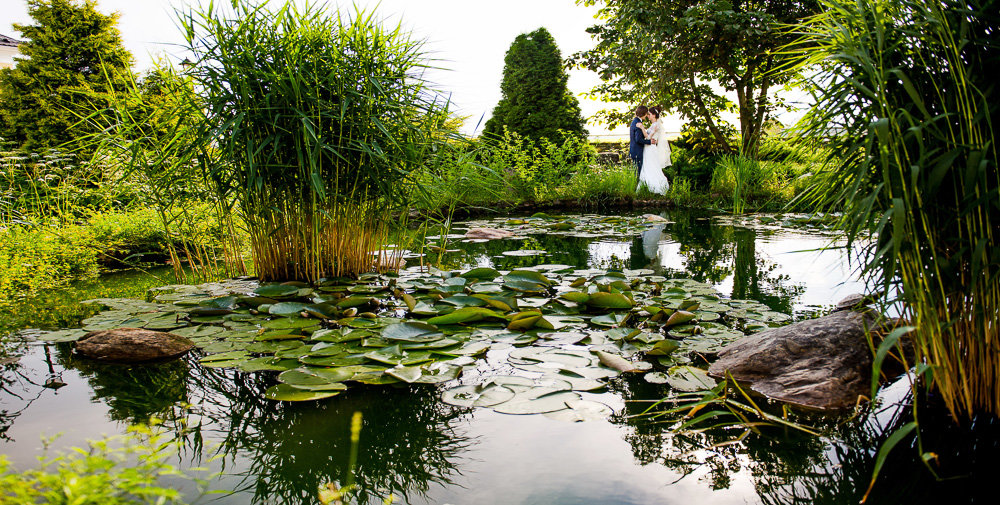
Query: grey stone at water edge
x,y
131,345
852,301
823,363
487,233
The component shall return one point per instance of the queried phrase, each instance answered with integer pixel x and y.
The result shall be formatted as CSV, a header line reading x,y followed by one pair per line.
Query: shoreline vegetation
x,y
63,220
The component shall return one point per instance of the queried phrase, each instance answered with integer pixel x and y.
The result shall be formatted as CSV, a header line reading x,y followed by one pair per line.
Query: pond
x,y
420,449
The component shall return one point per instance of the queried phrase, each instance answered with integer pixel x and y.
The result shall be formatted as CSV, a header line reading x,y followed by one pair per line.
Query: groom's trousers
x,y
637,160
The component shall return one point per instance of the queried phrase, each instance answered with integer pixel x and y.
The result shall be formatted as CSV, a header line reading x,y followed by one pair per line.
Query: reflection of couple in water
x,y
649,149
651,242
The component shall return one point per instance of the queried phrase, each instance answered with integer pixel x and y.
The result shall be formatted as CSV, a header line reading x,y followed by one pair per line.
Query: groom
x,y
636,140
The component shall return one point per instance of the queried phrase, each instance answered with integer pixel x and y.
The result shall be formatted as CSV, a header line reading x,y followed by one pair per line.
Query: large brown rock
x,y
487,233
823,363
130,345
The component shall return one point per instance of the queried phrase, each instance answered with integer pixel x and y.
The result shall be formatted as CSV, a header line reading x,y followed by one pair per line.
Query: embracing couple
x,y
649,149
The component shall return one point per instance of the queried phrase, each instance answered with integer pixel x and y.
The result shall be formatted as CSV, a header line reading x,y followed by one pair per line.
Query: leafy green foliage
x,y
119,470
536,102
651,52
73,57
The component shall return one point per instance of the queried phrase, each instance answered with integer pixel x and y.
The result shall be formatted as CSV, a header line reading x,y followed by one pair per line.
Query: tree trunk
x,y
719,137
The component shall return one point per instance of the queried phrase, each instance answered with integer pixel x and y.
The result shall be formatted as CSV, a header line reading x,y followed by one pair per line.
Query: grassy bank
x,y
511,174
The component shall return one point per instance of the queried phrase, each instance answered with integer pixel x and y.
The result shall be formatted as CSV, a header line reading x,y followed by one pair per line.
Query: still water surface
x,y
421,450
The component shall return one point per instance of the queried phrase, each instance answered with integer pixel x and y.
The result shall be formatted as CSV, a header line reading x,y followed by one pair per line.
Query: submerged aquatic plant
x,y
317,119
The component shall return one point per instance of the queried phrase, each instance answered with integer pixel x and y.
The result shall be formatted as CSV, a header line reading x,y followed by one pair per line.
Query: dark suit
x,y
636,142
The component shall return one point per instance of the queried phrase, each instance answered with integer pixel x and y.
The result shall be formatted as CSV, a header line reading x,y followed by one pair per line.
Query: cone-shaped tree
x,y
535,101
73,55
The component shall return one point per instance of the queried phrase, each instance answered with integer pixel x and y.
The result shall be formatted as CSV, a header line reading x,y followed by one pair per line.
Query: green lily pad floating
x,y
62,335
276,291
287,393
689,379
264,363
288,323
581,410
484,274
466,315
481,395
199,331
663,348
287,309
614,319
413,332
408,374
655,378
539,400
604,300
339,335
316,379
464,301
395,355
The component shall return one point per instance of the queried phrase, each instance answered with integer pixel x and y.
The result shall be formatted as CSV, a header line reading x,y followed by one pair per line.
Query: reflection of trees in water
x,y
283,451
789,467
134,392
713,252
19,386
562,250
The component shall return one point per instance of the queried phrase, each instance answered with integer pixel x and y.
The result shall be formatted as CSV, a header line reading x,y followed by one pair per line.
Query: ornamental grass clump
x,y
317,120
906,90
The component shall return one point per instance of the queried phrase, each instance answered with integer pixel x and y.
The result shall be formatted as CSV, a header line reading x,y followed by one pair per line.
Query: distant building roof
x,y
8,41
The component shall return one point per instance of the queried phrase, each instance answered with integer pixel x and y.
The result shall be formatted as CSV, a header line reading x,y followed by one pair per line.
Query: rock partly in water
x,y
487,233
854,301
822,363
131,345
653,218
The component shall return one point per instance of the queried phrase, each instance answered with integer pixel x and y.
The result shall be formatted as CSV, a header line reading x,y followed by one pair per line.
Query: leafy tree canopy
x,y
73,57
536,102
651,51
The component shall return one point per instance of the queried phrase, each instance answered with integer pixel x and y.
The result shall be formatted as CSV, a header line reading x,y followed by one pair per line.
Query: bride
x,y
655,156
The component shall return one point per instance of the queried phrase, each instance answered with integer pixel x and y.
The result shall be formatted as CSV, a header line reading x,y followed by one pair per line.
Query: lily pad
x,y
482,395
581,410
537,400
412,331
287,393
276,291
688,378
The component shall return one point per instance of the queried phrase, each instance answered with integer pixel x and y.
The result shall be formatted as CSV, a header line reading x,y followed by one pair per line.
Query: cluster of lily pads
x,y
818,222
534,340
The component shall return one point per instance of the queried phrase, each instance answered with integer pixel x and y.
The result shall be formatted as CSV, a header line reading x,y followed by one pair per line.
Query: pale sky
x,y
468,37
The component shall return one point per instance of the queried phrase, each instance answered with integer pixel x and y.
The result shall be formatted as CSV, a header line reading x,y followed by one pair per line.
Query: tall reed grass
x,y
906,94
316,119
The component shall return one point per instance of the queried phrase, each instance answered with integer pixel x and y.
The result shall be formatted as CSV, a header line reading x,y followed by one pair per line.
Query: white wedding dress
x,y
654,159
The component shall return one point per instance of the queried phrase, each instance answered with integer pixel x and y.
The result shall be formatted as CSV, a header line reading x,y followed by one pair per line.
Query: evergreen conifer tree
x,y
73,56
535,102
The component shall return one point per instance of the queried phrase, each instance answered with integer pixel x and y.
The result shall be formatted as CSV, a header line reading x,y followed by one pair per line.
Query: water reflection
x,y
413,446
690,245
283,452
789,467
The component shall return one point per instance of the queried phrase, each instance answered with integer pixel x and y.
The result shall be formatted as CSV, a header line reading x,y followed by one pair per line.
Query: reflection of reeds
x,y
907,94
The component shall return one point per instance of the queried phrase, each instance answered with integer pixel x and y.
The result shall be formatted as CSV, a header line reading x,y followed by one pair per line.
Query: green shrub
x,y
32,259
681,192
600,184
119,470
696,169
535,171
